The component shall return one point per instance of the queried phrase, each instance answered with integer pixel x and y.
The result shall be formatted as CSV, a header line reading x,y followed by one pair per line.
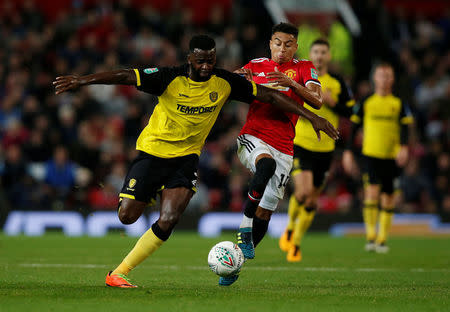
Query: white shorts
x,y
249,148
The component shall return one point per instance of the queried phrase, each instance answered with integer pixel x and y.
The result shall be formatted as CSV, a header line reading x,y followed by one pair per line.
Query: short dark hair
x,y
384,64
286,28
202,42
320,41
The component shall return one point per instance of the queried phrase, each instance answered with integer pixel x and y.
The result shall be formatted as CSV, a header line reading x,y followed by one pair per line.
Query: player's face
x,y
383,77
320,56
201,63
283,47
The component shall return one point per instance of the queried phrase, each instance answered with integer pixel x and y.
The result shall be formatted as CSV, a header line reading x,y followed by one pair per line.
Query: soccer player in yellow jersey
x,y
312,158
384,118
190,98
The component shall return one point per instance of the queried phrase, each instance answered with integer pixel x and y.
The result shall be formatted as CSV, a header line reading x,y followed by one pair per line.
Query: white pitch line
x,y
252,268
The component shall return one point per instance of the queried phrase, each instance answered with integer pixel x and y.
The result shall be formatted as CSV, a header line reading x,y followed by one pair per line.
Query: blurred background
x,y
70,152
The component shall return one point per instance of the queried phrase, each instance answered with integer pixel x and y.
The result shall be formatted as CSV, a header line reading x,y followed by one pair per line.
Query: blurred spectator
x,y
59,174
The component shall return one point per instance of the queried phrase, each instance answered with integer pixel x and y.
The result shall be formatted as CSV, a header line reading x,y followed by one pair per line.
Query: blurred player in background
x,y
265,143
190,98
312,158
385,119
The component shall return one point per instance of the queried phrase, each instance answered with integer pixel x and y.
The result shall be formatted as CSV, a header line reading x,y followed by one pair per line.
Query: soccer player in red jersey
x,y
265,143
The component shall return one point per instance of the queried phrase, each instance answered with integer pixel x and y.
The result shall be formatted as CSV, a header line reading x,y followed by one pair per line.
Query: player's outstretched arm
x,y
287,104
72,82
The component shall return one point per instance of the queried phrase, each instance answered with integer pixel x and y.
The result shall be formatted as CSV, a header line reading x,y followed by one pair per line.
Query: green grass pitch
x,y
57,273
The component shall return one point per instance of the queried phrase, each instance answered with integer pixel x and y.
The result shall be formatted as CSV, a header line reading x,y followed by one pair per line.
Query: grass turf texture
x,y
56,273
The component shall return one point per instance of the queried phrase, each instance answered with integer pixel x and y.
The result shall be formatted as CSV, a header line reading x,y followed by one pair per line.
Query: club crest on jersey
x,y
291,73
314,74
213,96
132,183
150,70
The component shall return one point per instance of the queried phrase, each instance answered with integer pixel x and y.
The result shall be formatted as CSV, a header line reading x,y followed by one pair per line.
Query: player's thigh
x,y
179,186
276,186
371,178
302,172
304,184
143,179
321,163
251,149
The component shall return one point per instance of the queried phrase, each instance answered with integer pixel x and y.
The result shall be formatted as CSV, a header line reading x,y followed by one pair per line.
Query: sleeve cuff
x,y
138,77
254,92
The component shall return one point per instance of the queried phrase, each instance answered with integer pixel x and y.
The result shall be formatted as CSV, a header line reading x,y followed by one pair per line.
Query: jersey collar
x,y
290,63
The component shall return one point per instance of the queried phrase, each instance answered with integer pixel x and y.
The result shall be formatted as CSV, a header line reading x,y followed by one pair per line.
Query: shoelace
x,y
124,277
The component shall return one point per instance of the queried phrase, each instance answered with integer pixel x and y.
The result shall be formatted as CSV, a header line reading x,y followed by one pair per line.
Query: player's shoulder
x,y
259,60
302,63
230,77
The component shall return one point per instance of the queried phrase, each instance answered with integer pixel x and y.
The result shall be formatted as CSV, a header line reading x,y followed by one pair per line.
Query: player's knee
x,y
311,202
310,208
300,196
126,218
263,214
265,168
128,212
167,221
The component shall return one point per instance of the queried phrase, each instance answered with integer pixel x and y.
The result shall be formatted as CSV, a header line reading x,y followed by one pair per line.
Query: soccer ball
x,y
225,258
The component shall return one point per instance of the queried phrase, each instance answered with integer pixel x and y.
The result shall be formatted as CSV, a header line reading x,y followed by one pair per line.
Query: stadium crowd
x,y
71,151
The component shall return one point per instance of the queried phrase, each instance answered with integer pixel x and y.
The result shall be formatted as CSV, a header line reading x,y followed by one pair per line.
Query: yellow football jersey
x,y
186,109
381,117
305,136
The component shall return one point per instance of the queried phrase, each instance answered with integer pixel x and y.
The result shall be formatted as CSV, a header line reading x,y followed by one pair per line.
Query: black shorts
x,y
317,162
380,171
149,174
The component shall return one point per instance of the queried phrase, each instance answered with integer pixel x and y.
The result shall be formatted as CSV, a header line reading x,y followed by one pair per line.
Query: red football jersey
x,y
265,121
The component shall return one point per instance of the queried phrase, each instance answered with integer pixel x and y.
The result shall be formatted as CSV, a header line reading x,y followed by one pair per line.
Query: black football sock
x,y
259,229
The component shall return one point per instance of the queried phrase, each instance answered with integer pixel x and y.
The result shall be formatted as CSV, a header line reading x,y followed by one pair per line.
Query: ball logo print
x,y
225,258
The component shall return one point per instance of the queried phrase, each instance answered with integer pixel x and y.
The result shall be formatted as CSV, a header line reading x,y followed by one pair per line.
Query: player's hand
x,y
279,78
321,124
348,162
66,83
402,156
246,72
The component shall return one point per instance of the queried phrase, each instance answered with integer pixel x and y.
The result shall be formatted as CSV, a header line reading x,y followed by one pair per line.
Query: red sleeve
x,y
308,73
248,65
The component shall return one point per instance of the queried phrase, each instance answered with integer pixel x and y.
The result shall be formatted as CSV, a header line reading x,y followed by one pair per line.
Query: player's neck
x,y
280,63
321,71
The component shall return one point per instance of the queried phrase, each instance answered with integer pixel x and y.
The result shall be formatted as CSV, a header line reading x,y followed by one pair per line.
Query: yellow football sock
x,y
370,216
386,216
144,247
305,219
293,212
